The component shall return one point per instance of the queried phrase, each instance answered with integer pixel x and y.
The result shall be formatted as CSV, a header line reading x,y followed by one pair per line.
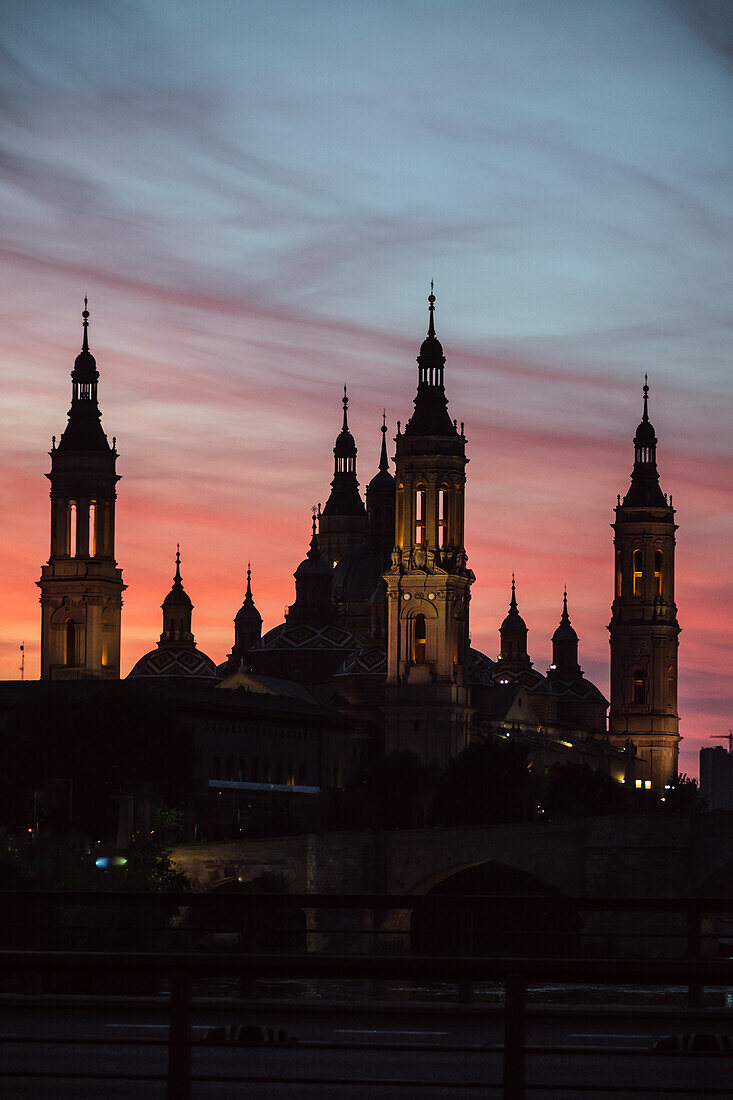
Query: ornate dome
x,y
179,661
358,574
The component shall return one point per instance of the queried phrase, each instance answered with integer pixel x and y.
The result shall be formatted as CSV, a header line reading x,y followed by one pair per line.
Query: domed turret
x,y
177,654
312,589
342,523
430,417
247,630
564,646
644,490
84,431
513,632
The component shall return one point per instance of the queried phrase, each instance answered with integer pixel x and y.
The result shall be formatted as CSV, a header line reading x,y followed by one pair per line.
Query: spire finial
x,y
513,604
85,323
646,397
248,593
177,578
565,603
431,310
383,460
345,400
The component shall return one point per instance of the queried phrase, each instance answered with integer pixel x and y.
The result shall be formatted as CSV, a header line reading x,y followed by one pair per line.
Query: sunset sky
x,y
255,198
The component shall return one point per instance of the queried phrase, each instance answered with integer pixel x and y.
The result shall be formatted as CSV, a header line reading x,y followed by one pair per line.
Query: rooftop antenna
x,y
22,660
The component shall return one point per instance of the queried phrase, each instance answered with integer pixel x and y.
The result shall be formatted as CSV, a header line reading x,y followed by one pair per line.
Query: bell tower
x,y
81,586
644,628
428,584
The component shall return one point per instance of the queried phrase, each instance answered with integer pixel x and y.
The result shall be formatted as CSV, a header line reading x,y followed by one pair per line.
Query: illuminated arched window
x,y
400,516
70,644
93,528
419,640
619,574
639,685
443,516
71,529
658,572
420,515
638,573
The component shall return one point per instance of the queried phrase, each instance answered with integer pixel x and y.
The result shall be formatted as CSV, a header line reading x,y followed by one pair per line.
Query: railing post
x,y
514,1025
694,933
179,1042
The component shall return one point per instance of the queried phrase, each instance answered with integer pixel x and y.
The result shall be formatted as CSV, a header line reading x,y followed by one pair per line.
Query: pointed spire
x,y
431,310
383,460
565,605
646,397
345,400
85,324
248,592
513,604
314,552
177,578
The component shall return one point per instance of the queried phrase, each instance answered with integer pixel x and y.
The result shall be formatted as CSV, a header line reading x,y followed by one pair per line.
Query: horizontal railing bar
x,y
215,898
560,970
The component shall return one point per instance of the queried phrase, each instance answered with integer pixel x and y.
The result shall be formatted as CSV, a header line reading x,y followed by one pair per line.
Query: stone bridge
x,y
655,855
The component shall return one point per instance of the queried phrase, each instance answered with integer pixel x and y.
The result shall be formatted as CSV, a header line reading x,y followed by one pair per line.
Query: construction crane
x,y
724,737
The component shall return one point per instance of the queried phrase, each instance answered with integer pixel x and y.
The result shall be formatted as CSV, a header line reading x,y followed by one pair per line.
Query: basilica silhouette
x,y
374,655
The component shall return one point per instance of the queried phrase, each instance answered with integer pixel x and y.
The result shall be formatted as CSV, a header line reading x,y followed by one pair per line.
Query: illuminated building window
x,y
71,529
647,784
638,784
107,531
443,504
658,572
70,644
420,515
419,640
400,515
105,651
93,528
639,693
638,573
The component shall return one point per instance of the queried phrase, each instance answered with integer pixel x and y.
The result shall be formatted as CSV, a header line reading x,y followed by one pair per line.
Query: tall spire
x,y
431,414
85,324
248,592
345,400
564,646
513,602
177,578
383,460
644,490
177,608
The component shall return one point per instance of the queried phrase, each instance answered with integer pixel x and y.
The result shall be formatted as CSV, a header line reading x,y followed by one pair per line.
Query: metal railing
x,y
514,974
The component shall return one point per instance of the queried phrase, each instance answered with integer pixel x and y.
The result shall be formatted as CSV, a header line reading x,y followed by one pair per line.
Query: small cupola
x,y
177,609
565,646
513,633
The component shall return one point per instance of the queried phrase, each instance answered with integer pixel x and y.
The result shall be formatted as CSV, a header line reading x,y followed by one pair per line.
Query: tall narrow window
x,y
639,694
105,651
443,499
638,573
420,515
93,528
658,572
670,685
70,644
400,516
457,639
71,529
419,640
619,575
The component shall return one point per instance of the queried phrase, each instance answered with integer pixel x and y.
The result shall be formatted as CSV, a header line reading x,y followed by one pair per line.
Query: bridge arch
x,y
510,912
